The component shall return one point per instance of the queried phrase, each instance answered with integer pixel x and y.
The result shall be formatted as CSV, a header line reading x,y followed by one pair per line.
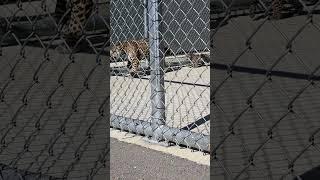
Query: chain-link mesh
x,y
160,70
265,92
54,96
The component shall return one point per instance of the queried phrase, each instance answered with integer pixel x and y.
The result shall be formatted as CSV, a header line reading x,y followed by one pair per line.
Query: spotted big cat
x,y
134,51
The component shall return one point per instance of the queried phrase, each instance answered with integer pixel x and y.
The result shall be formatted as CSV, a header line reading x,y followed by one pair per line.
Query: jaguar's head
x,y
115,53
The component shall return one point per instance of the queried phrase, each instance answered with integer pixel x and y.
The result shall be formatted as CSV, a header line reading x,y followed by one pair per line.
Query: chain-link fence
x,y
160,70
265,91
54,95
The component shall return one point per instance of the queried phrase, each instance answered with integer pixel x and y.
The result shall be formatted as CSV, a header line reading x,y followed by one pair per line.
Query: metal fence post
x,y
145,16
157,66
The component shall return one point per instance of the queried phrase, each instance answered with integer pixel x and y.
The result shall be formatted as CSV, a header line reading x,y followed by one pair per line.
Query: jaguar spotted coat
x,y
135,50
72,15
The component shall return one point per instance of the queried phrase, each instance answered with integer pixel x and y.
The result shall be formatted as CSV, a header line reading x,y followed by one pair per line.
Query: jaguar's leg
x,y
134,63
129,65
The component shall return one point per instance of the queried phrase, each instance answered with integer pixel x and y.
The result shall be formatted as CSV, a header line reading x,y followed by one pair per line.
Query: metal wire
x,y
264,97
167,98
54,91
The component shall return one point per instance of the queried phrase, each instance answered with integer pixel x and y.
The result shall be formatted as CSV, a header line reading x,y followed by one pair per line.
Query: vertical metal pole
x,y
156,66
145,15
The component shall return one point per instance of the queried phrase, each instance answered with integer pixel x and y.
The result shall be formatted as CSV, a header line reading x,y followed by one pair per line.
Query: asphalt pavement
x,y
133,162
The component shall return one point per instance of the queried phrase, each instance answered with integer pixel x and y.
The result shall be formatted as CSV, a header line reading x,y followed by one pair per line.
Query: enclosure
x,y
265,90
263,59
168,98
53,105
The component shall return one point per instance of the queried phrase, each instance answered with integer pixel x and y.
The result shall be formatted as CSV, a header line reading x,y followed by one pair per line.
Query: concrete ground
x,y
187,95
136,162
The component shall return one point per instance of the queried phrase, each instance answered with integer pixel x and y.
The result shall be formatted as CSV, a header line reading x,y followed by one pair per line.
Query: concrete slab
x,y
186,101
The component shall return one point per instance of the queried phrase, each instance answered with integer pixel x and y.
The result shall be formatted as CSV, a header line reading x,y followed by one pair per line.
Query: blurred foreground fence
x,y
167,96
265,91
53,104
